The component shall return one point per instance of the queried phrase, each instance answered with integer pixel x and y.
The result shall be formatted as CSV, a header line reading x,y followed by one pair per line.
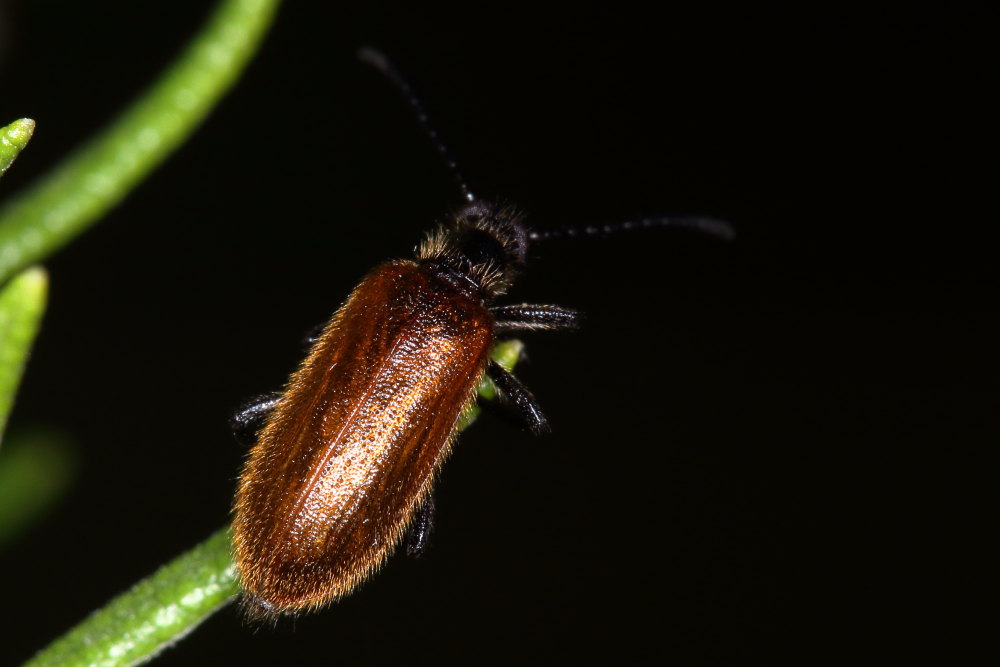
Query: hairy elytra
x,y
347,454
351,448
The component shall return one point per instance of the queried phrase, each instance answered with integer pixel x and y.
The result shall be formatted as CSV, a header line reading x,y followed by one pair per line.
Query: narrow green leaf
x,y
98,176
22,302
159,610
13,139
36,468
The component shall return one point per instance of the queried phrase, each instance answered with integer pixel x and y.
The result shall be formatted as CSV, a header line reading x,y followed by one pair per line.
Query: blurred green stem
x,y
22,302
99,175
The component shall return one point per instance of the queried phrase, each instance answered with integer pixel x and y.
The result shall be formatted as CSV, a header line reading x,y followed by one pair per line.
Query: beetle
x,y
346,456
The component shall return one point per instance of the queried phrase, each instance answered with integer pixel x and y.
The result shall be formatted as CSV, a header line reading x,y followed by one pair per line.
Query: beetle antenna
x,y
378,60
712,226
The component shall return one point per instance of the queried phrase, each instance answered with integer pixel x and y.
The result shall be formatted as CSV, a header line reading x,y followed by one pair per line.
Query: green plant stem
x,y
22,302
13,139
159,610
99,175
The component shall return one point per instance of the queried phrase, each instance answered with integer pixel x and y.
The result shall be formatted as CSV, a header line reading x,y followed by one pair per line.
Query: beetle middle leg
x,y
247,421
519,395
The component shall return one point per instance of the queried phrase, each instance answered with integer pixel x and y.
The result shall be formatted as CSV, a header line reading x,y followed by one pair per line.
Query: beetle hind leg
x,y
421,528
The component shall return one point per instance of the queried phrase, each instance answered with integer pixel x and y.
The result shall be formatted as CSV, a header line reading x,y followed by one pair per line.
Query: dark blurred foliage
x,y
755,444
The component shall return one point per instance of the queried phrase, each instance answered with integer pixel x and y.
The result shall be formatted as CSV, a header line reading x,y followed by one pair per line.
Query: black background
x,y
753,442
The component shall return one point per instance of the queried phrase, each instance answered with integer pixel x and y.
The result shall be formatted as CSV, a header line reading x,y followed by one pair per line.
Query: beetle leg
x,y
247,421
421,528
501,409
519,395
527,317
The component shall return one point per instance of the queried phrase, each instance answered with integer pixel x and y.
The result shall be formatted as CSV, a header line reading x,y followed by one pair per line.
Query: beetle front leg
x,y
527,317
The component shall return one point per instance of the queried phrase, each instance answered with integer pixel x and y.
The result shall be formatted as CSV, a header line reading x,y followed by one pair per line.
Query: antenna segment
x,y
712,226
381,62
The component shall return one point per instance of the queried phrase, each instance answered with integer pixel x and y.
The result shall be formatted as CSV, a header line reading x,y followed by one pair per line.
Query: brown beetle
x,y
348,453
351,448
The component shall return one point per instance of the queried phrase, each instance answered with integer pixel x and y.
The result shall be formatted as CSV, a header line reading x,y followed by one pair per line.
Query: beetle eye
x,y
479,247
